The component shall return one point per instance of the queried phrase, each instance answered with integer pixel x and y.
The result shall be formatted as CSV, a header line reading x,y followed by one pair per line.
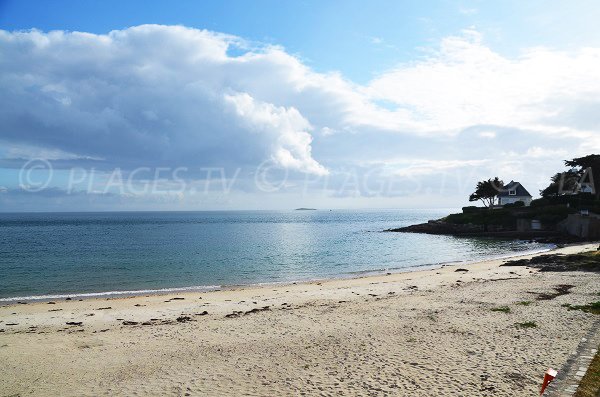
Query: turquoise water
x,y
59,254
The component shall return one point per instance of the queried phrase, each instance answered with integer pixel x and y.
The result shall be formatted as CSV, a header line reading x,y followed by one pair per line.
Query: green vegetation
x,y
527,324
524,303
503,309
582,170
593,307
590,384
507,217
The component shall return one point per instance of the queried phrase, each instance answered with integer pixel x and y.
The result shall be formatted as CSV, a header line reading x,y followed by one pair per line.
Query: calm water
x,y
80,253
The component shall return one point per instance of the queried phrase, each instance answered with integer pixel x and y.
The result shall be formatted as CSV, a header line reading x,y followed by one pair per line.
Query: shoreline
x,y
211,288
388,276
379,334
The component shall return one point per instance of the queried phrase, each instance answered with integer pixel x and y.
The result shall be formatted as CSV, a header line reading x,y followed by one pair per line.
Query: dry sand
x,y
427,333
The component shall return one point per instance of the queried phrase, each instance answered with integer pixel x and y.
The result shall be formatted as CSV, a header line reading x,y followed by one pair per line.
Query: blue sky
x,y
351,36
336,35
385,104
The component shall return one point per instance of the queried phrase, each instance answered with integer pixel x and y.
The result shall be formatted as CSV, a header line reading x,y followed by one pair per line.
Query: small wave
x,y
401,268
200,288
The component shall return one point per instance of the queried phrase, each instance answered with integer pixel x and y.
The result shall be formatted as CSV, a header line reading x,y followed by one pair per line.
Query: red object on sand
x,y
548,377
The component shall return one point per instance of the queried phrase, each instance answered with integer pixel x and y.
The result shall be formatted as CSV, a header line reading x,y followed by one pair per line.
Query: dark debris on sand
x,y
258,309
238,313
559,290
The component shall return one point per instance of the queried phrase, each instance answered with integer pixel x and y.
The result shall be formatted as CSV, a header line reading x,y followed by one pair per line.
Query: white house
x,y
513,192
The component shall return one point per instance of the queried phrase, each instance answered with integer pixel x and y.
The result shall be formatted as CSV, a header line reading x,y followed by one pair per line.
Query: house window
x,y
512,192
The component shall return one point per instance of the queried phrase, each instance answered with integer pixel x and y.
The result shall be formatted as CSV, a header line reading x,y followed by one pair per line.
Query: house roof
x,y
512,185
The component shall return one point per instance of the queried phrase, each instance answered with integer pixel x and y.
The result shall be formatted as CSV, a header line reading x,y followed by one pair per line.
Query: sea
x,y
46,256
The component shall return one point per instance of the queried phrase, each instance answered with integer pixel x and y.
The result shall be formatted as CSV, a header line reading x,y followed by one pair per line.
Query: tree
x,y
562,182
584,171
588,169
487,191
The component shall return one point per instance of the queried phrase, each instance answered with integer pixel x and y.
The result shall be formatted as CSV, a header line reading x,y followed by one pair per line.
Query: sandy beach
x,y
425,333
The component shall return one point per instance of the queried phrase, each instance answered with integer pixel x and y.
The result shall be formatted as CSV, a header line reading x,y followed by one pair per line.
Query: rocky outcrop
x,y
589,262
439,227
498,231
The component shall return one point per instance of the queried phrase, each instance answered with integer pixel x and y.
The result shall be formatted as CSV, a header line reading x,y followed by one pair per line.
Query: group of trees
x,y
583,176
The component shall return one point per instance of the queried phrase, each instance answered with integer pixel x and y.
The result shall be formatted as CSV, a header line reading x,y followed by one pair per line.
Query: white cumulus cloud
x,y
286,128
464,83
155,95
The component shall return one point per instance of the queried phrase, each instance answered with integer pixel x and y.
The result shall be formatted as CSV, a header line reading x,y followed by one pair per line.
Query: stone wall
x,y
584,226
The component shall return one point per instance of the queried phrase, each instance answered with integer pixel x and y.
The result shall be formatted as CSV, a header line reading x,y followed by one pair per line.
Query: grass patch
x,y
527,324
524,303
503,309
593,307
590,384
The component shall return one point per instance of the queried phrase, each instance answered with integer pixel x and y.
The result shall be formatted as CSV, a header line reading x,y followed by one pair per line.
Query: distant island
x,y
305,209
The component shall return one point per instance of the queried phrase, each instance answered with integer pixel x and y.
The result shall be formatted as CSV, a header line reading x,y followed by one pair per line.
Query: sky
x,y
150,105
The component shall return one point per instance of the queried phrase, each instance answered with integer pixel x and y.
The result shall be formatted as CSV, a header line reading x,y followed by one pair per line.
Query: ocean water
x,y
45,255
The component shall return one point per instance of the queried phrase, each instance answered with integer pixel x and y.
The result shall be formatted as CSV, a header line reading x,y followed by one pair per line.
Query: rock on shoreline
x,y
471,230
587,262
439,227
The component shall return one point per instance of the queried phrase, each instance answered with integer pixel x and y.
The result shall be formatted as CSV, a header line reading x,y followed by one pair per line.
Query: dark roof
x,y
512,185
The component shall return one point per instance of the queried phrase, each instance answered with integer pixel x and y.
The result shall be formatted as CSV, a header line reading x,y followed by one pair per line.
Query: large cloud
x,y
464,84
151,94
174,96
